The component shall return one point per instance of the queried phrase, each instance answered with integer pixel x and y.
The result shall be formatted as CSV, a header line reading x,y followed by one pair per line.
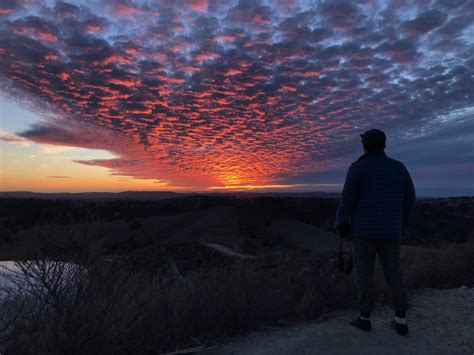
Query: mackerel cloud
x,y
212,93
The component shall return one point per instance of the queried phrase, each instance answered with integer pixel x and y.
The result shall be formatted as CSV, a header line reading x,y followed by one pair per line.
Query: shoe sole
x,y
395,328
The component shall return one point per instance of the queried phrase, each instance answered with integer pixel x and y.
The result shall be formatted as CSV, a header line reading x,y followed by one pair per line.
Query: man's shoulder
x,y
396,165
363,163
359,160
396,162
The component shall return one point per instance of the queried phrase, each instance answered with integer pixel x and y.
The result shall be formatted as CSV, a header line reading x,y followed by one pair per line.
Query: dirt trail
x,y
441,322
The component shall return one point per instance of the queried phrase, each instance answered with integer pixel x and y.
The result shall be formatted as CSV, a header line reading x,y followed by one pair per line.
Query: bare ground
x,y
440,321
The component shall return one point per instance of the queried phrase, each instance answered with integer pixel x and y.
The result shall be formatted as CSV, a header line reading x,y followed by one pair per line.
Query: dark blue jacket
x,y
377,196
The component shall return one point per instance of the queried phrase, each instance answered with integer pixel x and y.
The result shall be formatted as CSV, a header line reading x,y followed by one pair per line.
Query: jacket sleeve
x,y
409,195
348,199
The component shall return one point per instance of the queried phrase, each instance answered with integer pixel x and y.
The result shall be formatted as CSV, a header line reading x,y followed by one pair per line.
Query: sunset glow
x,y
231,95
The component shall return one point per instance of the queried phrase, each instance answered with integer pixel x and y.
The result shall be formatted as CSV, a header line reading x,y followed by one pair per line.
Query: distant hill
x,y
162,195
129,195
155,195
278,194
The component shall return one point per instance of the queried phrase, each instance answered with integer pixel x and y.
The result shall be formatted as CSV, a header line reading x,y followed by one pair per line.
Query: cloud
x,y
198,5
13,138
425,22
59,177
57,149
214,93
55,134
9,6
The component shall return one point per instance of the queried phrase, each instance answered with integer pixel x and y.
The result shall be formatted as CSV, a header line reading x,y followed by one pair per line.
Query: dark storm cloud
x,y
206,93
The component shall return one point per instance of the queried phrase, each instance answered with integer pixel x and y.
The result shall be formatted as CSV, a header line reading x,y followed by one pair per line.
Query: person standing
x,y
376,199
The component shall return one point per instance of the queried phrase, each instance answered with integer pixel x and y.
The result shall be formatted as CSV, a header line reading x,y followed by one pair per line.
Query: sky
x,y
211,95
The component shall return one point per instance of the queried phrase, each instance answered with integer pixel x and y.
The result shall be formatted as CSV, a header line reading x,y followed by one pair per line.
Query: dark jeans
x,y
364,251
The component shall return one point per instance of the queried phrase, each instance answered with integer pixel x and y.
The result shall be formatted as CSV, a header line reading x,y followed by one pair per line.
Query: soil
x,y
440,322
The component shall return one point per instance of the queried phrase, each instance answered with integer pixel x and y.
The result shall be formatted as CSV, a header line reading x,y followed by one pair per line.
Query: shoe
x,y
402,329
362,324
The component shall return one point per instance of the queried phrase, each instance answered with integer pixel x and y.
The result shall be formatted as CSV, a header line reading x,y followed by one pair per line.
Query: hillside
x,y
209,268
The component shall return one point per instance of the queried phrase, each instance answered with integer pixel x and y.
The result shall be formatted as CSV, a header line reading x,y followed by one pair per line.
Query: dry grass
x,y
115,311
445,266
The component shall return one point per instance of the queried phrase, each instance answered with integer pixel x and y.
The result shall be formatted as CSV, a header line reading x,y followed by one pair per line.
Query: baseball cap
x,y
373,136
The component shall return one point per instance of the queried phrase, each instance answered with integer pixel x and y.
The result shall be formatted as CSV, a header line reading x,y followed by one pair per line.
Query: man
x,y
377,196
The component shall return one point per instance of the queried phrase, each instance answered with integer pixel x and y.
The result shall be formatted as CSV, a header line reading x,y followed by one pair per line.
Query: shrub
x,y
445,266
117,312
116,309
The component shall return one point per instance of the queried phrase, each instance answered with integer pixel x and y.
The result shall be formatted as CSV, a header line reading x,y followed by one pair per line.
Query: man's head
x,y
373,139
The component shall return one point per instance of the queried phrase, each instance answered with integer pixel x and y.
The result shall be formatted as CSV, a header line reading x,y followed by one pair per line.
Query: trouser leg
x,y
364,252
389,254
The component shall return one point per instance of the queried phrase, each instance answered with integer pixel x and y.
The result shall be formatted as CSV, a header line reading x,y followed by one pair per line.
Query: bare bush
x,y
112,309
118,312
32,288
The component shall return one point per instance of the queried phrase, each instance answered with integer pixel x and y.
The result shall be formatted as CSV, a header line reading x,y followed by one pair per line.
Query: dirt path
x,y
441,322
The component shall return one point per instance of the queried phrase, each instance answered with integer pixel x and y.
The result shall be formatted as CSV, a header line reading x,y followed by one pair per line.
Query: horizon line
x,y
206,192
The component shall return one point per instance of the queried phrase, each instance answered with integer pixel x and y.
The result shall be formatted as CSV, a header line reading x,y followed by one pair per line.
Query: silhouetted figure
x,y
377,196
